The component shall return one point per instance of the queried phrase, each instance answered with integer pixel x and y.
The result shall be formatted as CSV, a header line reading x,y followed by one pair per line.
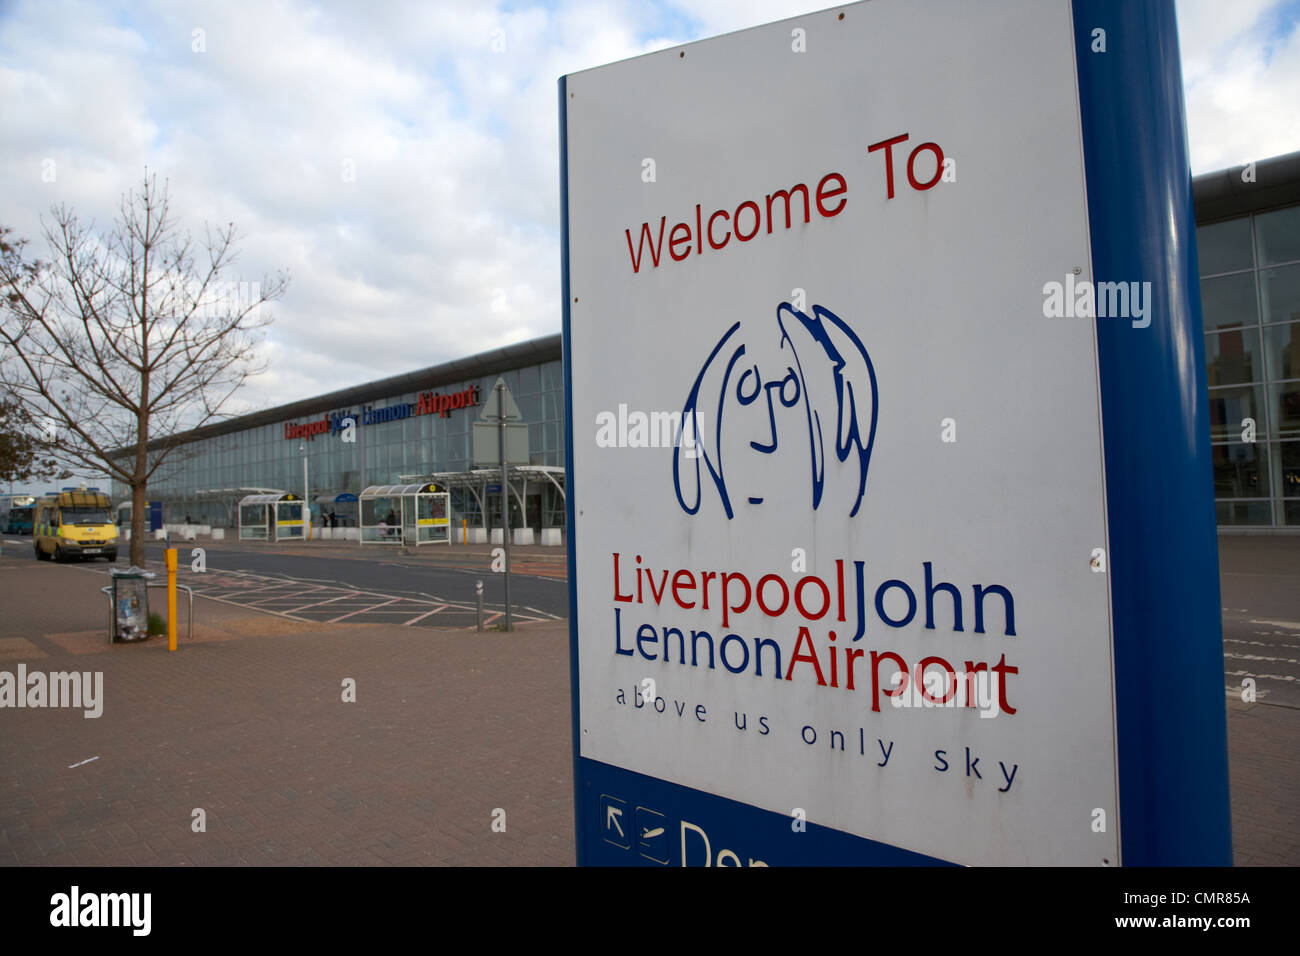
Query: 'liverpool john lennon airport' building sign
x,y
429,403
928,572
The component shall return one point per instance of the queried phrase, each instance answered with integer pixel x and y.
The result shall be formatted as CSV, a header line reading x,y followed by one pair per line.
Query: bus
x,y
16,513
74,524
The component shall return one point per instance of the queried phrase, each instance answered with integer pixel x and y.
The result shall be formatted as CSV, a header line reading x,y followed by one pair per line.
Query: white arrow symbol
x,y
611,818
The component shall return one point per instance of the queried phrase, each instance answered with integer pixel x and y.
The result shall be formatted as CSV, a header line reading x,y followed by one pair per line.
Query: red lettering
x,y
727,578
938,166
807,213
674,239
810,657
705,578
876,658
851,654
823,193
640,246
1002,669
839,579
758,219
617,596
785,595
798,597
888,146
688,586
663,584
726,236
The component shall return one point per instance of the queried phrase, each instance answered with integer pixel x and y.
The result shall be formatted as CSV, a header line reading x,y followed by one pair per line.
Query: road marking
x,y
319,603
86,761
1256,657
363,610
441,607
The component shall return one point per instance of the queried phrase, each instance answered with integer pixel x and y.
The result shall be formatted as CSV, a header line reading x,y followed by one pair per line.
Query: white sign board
x,y
811,245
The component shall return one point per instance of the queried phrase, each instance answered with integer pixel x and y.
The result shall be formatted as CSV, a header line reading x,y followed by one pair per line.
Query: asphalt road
x,y
538,586
1260,584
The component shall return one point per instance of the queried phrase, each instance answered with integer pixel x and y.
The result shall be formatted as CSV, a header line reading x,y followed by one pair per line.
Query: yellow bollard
x,y
171,599
464,531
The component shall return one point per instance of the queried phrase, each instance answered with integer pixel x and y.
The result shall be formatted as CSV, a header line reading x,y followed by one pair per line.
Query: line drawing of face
x,y
748,403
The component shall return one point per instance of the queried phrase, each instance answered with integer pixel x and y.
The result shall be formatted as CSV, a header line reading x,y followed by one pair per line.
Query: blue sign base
x,y
629,819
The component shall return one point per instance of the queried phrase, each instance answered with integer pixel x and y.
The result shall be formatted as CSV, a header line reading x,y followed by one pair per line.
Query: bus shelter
x,y
273,517
409,515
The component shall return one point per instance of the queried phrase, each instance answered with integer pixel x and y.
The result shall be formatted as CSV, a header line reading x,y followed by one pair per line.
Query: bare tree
x,y
121,342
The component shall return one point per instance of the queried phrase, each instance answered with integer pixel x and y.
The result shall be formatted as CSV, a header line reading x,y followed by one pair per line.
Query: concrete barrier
x,y
160,534
496,537
352,534
218,534
478,536
523,536
325,534
189,532
552,537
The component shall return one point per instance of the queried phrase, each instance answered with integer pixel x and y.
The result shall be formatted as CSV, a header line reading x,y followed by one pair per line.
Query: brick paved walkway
x,y
248,724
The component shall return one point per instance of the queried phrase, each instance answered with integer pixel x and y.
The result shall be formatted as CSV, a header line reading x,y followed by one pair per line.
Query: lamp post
x,y
505,492
306,501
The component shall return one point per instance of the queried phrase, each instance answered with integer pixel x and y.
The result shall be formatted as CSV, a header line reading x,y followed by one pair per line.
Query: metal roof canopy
x,y
476,480
268,499
479,476
392,491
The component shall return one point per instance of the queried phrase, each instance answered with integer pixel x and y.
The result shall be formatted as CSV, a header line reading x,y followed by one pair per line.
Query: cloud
x,y
400,159
1241,77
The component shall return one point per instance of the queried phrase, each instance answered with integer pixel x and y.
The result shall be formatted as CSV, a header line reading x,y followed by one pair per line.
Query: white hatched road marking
x,y
416,620
363,610
237,587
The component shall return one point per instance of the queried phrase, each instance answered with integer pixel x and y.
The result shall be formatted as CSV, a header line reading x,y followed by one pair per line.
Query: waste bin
x,y
130,602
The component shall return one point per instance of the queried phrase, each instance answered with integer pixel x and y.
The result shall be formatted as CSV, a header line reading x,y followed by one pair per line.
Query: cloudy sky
x,y
400,159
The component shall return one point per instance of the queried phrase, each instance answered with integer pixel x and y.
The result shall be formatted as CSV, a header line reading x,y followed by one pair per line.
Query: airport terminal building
x,y
407,428
418,426
1248,245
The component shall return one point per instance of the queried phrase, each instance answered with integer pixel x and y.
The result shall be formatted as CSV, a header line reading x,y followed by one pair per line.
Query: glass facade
x,y
1250,301
407,434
